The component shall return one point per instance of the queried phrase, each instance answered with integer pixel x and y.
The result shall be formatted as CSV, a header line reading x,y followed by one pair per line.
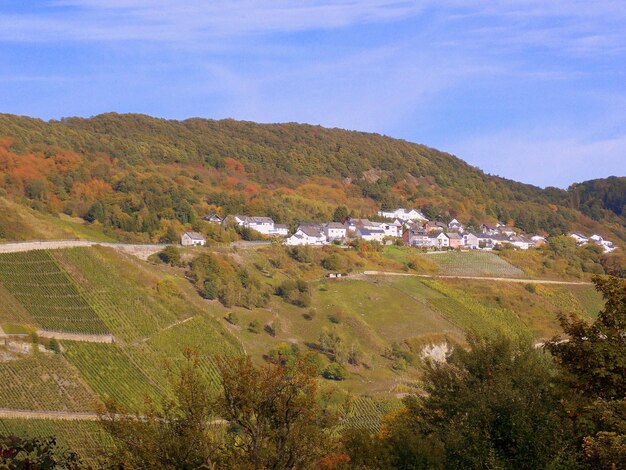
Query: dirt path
x,y
61,415
477,278
76,337
7,413
141,251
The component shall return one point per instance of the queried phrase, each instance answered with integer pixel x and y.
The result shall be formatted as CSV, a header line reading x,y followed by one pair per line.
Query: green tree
x,y
496,405
35,453
277,417
341,214
595,354
170,255
54,346
594,358
170,236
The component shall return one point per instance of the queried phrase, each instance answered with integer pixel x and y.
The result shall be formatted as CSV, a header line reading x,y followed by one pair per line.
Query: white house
x,y
306,236
353,224
606,245
213,218
192,239
538,240
264,225
486,240
280,230
455,226
438,239
579,238
519,242
471,241
391,229
335,231
371,234
508,231
403,214
489,229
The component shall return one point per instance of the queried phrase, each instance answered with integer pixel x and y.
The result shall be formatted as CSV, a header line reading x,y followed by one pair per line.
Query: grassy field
x,y
18,222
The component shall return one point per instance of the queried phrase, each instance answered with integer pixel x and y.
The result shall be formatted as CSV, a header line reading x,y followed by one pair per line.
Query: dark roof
x,y
370,231
454,235
194,235
434,234
335,225
310,231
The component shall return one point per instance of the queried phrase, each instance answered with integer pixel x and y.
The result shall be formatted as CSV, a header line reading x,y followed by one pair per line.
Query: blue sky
x,y
526,89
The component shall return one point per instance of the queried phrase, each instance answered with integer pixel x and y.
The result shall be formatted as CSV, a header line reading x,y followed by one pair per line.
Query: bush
x,y
335,262
54,346
232,318
273,328
283,354
530,288
302,254
254,327
295,292
170,255
335,371
310,315
337,316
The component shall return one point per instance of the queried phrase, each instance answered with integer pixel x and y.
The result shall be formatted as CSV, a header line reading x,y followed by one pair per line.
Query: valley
x,y
382,324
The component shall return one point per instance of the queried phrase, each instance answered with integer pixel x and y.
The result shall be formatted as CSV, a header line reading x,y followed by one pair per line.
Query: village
x,y
400,226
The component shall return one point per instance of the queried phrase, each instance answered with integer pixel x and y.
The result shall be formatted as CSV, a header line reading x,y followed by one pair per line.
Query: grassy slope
x,y
155,312
18,222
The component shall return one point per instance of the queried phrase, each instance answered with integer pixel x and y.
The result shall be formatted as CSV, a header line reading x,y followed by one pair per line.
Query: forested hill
x,y
139,176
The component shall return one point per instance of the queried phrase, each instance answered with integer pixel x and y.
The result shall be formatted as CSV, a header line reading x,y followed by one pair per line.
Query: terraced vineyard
x,y
43,382
125,307
47,293
111,373
474,263
131,372
368,413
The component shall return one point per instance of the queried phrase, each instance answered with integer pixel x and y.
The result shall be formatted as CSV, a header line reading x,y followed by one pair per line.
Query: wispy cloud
x,y
163,20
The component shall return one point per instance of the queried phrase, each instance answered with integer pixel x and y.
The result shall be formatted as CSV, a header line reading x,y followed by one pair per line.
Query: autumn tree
x,y
179,432
276,415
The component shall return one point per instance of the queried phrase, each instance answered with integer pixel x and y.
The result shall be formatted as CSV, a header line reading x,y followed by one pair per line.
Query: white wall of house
x,y
301,238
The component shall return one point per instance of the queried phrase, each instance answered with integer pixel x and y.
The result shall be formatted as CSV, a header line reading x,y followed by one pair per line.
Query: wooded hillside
x,y
137,177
